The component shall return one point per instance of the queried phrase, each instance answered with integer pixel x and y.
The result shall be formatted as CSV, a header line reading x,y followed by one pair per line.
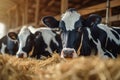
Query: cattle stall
x,y
35,40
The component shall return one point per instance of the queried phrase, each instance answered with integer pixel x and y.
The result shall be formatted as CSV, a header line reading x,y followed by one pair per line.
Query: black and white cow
x,y
83,36
9,44
43,42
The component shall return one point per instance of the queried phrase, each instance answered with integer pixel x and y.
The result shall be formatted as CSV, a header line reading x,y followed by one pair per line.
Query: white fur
x,y
109,33
70,18
48,35
89,33
33,30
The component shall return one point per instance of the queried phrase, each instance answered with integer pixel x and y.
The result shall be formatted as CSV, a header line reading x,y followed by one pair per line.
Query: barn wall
x,y
30,12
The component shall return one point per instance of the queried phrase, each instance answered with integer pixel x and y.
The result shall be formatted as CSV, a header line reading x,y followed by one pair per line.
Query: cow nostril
x,y
68,53
20,55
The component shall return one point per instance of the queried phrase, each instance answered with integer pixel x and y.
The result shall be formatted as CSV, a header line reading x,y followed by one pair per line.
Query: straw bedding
x,y
55,68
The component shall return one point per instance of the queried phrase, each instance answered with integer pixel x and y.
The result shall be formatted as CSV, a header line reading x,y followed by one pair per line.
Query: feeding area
x,y
59,40
55,68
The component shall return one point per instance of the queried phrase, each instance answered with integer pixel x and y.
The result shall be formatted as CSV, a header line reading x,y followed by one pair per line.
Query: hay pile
x,y
55,68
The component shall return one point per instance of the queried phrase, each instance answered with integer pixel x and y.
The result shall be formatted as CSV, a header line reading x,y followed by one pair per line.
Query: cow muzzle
x,y
68,53
21,55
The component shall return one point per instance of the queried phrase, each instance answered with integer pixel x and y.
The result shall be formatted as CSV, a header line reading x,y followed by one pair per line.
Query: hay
x,y
55,68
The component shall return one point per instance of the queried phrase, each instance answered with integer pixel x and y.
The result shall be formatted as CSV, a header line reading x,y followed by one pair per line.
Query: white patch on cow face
x,y
70,18
48,35
3,48
110,35
24,33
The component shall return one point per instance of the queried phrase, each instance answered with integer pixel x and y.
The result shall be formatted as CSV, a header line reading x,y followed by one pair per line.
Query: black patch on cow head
x,y
93,20
29,43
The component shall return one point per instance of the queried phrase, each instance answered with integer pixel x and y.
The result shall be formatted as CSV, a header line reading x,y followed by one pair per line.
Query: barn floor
x,y
55,68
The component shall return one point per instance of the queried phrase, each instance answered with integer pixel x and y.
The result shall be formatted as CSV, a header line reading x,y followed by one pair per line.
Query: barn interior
x,y
14,14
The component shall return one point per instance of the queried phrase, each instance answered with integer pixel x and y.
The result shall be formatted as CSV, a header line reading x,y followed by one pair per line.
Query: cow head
x,y
25,41
70,25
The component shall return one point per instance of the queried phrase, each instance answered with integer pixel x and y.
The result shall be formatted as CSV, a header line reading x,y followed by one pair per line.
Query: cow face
x,y
25,42
25,39
69,25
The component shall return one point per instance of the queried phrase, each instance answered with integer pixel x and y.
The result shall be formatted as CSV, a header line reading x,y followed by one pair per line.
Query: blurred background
x,y
16,13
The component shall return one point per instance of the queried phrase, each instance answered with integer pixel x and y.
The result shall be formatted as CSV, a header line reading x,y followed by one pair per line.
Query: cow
x,y
9,44
82,37
41,41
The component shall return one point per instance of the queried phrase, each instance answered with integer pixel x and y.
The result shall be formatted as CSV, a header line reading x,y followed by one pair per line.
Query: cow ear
x,y
93,20
12,35
50,21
